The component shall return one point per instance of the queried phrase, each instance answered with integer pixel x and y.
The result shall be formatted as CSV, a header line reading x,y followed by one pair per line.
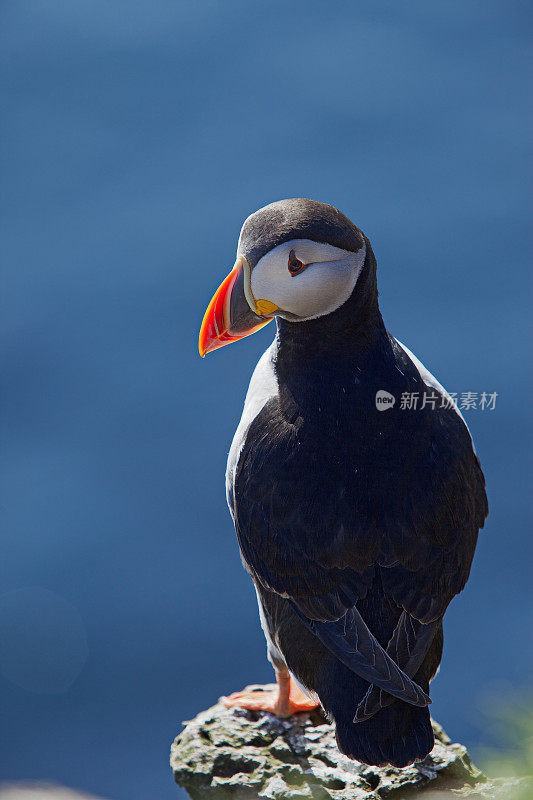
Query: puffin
x,y
353,483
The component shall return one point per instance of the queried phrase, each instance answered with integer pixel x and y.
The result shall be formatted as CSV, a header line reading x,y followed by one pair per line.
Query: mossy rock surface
x,y
232,753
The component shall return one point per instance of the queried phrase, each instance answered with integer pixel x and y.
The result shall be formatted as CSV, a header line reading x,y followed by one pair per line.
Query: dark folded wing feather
x,y
408,647
350,640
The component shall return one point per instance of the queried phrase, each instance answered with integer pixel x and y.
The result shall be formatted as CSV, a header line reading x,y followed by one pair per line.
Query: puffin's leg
x,y
286,699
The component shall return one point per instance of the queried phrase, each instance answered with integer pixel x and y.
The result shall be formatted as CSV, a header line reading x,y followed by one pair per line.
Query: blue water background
x,y
136,138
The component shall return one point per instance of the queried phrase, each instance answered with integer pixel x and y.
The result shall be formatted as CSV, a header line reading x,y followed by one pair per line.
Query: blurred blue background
x,y
137,136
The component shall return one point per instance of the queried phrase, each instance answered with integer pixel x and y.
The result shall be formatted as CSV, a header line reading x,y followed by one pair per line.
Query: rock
x,y
233,754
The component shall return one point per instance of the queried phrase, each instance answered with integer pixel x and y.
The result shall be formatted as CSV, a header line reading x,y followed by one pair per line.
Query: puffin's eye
x,y
295,265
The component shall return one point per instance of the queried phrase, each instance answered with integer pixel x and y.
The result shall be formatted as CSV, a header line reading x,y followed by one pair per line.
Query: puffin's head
x,y
298,259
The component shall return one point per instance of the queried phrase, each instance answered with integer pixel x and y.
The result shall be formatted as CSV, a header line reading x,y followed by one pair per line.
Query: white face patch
x,y
323,286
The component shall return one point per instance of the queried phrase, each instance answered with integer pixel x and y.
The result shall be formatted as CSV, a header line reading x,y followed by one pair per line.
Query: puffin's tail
x,y
398,734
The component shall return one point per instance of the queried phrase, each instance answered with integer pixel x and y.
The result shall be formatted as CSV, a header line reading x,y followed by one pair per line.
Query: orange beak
x,y
229,317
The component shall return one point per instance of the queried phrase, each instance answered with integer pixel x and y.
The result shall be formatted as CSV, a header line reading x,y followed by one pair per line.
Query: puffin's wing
x,y
316,523
426,559
350,640
425,584
408,647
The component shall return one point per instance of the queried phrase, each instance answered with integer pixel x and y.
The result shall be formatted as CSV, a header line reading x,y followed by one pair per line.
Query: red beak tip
x,y
216,329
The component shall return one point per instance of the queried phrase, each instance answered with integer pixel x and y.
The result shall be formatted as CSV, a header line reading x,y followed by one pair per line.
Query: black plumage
x,y
357,526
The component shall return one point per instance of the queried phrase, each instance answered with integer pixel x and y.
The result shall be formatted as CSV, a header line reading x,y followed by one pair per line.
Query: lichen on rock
x,y
231,754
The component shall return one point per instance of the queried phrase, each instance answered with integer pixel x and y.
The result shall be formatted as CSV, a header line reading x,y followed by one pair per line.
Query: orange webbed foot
x,y
284,700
